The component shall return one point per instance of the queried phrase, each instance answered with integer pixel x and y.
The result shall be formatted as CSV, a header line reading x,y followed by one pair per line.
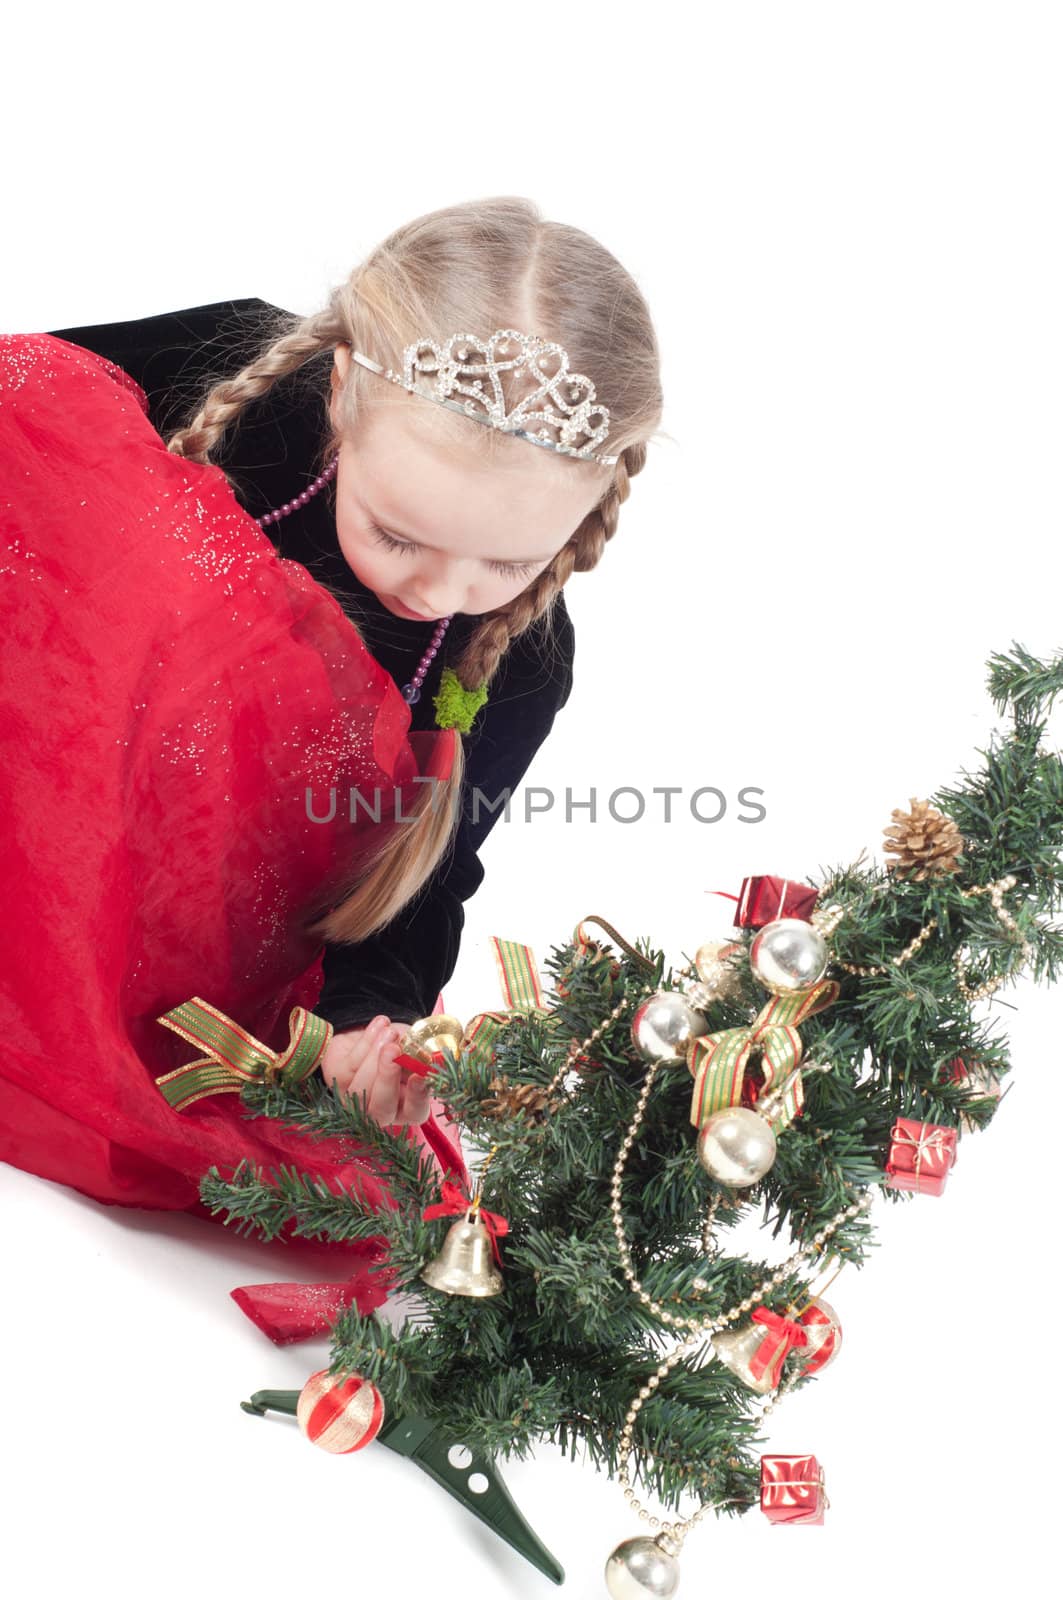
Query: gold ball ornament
x,y
341,1414
640,1568
665,1025
736,1146
788,956
714,962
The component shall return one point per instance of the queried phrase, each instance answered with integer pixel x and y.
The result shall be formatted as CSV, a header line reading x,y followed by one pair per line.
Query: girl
x,y
432,454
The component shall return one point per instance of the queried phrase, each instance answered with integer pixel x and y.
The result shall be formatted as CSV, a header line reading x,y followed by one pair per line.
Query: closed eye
x,y
509,569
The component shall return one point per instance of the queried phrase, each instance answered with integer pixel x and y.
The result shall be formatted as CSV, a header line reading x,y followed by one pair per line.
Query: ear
x,y
341,363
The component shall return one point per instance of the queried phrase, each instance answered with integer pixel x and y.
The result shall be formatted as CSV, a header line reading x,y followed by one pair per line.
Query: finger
x,y
416,1102
366,1041
415,1092
384,1096
353,1063
343,1052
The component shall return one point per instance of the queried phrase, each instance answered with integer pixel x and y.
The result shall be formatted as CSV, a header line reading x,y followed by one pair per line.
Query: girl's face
x,y
432,529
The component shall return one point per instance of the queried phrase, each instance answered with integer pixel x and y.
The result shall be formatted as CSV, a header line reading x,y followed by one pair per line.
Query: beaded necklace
x,y
457,706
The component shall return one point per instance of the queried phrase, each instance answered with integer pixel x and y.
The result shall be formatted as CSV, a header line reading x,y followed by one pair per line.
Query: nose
x,y
446,594
438,605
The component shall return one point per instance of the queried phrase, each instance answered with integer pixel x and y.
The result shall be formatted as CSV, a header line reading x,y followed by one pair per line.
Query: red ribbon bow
x,y
788,1335
455,1202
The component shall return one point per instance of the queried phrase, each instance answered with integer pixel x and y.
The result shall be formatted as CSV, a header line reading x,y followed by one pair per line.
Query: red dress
x,y
177,705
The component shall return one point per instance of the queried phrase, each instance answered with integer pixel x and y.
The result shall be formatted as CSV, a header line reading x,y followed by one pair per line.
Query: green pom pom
x,y
456,707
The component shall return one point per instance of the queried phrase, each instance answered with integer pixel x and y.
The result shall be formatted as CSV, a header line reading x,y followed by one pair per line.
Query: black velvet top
x,y
271,456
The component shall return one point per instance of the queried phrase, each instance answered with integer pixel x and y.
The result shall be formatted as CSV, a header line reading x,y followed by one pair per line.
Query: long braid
x,y
226,399
407,855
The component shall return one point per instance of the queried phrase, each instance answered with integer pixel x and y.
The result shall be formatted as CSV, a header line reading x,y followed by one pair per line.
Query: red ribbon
x,y
455,1203
783,1337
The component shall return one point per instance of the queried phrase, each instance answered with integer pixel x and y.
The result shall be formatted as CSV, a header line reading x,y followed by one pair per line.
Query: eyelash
x,y
507,569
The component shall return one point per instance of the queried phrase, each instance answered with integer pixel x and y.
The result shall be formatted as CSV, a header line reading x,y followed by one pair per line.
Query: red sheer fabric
x,y
185,719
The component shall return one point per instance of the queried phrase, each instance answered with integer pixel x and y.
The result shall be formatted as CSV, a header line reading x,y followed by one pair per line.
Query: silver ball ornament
x,y
788,956
639,1567
664,1025
736,1146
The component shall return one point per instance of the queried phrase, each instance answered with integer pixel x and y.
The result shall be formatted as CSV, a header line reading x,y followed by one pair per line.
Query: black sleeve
x,y
170,354
175,355
400,971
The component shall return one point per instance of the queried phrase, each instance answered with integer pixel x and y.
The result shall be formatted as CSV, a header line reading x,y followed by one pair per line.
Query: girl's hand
x,y
361,1061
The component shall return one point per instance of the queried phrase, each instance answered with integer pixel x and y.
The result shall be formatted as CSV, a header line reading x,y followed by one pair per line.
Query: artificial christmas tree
x,y
630,1117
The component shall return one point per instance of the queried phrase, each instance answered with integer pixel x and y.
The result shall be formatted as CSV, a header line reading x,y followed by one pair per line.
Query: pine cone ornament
x,y
510,1098
927,844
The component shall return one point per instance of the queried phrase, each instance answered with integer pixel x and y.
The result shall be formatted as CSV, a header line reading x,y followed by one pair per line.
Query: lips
x,y
414,615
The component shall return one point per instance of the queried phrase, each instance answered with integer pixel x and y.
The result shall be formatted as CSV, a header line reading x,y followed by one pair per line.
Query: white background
x,y
846,220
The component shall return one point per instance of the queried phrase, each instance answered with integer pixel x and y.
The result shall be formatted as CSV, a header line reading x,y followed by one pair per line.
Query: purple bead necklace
x,y
411,692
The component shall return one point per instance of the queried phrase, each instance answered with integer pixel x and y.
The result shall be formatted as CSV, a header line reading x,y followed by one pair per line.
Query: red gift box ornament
x,y
792,1490
766,899
921,1156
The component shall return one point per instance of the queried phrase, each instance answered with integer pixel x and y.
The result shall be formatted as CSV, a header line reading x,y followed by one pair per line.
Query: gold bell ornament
x,y
438,1032
756,1352
469,1261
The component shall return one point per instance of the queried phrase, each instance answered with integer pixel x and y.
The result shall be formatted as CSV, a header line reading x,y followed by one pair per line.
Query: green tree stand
x,y
419,1439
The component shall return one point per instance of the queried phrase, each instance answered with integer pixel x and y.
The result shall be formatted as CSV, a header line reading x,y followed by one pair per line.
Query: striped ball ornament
x,y
340,1414
824,1334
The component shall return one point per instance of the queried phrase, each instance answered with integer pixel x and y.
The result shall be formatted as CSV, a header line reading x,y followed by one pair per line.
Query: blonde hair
x,y
482,265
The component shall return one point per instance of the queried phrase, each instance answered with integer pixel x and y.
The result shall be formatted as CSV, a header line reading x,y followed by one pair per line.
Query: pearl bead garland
x,y
411,691
827,920
672,1534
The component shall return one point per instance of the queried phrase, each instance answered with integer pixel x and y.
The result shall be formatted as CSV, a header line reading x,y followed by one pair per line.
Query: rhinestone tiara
x,y
462,365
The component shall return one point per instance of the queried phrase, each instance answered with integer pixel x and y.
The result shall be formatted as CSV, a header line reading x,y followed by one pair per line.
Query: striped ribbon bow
x,y
234,1056
718,1060
518,977
519,981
